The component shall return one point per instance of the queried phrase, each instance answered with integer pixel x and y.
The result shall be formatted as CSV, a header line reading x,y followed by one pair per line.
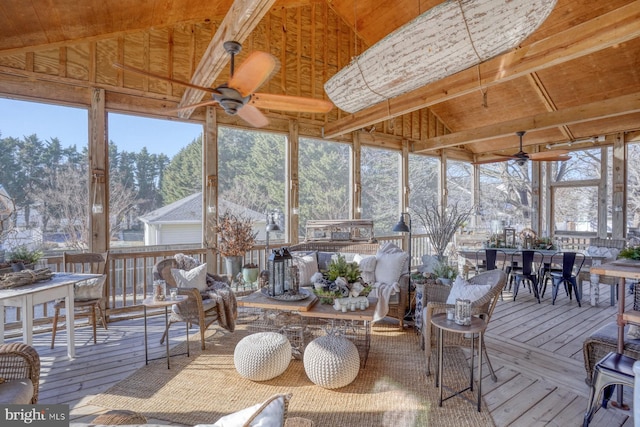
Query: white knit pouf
x,y
262,356
331,361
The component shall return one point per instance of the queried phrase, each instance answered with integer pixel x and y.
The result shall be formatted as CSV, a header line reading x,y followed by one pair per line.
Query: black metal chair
x,y
571,263
526,271
490,261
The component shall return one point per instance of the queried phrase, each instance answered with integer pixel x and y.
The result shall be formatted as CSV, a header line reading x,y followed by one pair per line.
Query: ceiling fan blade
x,y
253,72
159,77
253,116
290,103
547,154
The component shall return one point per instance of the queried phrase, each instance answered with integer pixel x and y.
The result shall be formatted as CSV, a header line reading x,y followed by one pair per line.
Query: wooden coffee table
x,y
354,325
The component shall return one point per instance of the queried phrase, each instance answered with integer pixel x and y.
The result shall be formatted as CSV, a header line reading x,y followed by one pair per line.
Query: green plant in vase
x,y
339,267
632,252
445,272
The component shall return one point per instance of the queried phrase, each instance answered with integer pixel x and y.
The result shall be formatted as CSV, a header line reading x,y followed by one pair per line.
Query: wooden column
x,y
405,189
210,187
536,197
475,185
98,173
443,189
618,195
603,198
292,202
549,219
355,177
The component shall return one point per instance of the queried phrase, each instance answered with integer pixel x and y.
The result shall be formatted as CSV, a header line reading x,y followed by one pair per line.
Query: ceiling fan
x,y
521,157
237,96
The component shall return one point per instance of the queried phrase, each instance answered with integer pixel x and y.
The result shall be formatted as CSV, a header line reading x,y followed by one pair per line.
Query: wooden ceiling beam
x,y
544,95
605,31
242,18
596,110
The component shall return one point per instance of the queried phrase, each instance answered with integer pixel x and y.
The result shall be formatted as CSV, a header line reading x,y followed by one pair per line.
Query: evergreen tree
x,y
183,175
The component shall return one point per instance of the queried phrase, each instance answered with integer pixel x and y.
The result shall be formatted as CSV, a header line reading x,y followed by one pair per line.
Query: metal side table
x,y
151,303
478,327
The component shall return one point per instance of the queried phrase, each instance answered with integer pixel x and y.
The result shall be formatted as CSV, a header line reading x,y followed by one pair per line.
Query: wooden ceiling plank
x,y
240,21
608,108
605,31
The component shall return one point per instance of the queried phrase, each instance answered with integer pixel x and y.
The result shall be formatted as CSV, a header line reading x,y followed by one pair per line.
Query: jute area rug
x,y
391,390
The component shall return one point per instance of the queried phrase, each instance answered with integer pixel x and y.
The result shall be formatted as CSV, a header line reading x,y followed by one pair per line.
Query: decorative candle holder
x,y
463,312
159,290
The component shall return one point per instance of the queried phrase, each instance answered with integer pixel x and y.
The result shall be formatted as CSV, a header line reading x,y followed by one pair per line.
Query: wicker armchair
x,y
195,309
435,302
19,361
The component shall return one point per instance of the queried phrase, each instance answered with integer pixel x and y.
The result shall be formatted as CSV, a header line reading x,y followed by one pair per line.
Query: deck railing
x,y
130,274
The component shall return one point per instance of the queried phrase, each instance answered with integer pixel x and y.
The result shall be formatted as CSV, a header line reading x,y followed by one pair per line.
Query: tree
x,y
183,175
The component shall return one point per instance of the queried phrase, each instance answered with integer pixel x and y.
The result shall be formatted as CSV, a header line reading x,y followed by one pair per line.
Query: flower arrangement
x,y
235,235
342,279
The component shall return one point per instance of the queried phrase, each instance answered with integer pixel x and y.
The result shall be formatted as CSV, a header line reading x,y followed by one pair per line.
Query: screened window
x,y
251,175
324,181
380,174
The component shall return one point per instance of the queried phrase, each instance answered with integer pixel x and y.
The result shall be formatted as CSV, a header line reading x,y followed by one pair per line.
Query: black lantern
x,y
279,272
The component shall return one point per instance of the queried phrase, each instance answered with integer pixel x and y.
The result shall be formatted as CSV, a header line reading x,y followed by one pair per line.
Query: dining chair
x,y
525,266
89,294
490,259
569,266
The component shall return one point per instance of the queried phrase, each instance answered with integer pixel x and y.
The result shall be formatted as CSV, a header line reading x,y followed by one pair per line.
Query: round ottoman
x,y
262,356
331,361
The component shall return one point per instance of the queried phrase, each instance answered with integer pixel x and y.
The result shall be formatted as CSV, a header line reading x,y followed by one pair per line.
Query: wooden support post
x,y
210,185
98,174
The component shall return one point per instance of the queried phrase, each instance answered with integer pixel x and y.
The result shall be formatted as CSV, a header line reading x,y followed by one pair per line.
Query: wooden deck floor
x,y
536,350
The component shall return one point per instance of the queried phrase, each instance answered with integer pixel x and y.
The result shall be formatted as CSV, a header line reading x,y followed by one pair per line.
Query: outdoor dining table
x,y
590,261
26,297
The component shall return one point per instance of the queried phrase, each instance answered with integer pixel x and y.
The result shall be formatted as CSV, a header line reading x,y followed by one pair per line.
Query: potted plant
x,y
441,224
235,238
632,252
445,272
22,257
250,273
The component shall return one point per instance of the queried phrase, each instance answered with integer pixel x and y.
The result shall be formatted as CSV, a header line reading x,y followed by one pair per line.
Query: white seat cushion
x,y
16,391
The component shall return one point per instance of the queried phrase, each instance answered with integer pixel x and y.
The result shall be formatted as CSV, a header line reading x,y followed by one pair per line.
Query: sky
x,y
69,125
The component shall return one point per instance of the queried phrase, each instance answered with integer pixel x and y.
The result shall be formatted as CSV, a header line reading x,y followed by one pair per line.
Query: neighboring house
x,y
181,221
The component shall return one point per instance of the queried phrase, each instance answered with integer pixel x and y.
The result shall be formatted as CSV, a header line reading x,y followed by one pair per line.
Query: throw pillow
x,y
367,267
307,267
389,266
392,248
464,290
194,278
272,412
89,289
633,332
324,259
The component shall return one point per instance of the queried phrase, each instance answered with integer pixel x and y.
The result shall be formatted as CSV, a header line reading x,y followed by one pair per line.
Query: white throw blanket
x,y
383,292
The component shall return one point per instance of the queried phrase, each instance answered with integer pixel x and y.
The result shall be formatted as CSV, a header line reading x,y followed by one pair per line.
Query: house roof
x,y
189,211
574,79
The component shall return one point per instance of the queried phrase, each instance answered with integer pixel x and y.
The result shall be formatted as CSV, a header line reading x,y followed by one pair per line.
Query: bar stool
x,y
613,369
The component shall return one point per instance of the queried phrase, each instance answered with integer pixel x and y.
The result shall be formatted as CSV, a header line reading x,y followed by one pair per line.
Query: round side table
x,y
478,327
151,303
